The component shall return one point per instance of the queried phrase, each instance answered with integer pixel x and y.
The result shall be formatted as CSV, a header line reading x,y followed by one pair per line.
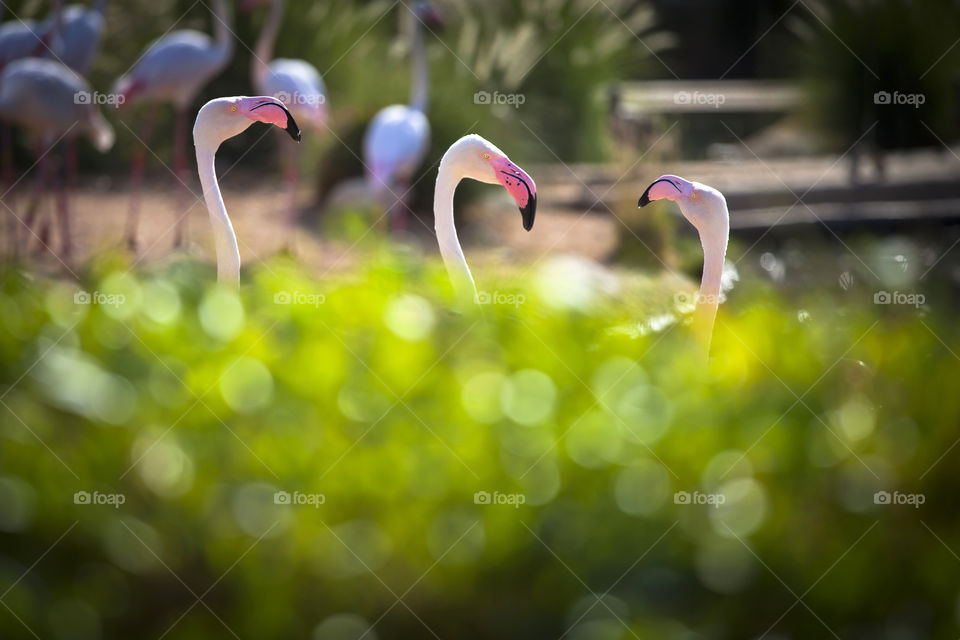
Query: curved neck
x,y
228,253
705,314
263,52
450,250
222,20
419,91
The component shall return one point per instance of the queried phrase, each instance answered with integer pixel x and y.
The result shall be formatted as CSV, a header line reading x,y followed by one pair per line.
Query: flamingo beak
x,y
655,192
282,118
521,186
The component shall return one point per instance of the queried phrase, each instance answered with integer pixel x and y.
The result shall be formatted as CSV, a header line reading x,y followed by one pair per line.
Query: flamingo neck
x,y
225,239
419,93
263,52
222,24
447,180
705,314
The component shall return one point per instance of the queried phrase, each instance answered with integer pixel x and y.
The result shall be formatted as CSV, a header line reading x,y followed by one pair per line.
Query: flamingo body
x,y
40,95
174,69
80,32
301,81
395,144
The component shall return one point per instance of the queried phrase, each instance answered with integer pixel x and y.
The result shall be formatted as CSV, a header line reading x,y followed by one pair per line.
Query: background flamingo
x,y
79,30
173,69
474,157
706,209
398,138
217,121
42,96
296,83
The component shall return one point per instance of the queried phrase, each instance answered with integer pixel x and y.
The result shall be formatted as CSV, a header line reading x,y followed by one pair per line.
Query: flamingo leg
x,y
136,177
6,159
398,210
180,171
63,208
37,197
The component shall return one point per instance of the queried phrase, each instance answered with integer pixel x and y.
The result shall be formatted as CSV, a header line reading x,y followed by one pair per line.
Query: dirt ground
x,y
491,230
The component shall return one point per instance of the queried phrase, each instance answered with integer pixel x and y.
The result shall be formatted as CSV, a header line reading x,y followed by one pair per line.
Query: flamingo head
x,y
704,207
429,15
224,118
479,159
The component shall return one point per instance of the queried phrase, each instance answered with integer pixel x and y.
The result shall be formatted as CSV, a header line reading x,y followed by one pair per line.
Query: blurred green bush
x,y
486,473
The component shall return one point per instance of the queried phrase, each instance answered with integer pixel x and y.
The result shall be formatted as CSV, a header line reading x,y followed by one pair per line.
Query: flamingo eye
x,y
234,108
485,156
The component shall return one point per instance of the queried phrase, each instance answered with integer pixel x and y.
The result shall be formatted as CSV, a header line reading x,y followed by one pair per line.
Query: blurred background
x,y
333,453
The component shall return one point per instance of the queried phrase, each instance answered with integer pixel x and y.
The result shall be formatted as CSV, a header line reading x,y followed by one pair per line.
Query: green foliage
x,y
198,404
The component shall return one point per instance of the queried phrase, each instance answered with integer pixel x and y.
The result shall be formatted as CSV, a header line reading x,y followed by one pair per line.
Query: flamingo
x,y
21,39
41,96
174,69
474,157
398,138
80,29
706,209
217,121
296,83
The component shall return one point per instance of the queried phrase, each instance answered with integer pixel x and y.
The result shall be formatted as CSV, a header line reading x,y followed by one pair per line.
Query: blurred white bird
x,y
173,69
45,98
296,83
398,138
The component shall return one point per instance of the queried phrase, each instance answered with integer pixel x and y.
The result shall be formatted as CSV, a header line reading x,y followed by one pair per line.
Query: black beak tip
x,y
644,201
528,213
293,129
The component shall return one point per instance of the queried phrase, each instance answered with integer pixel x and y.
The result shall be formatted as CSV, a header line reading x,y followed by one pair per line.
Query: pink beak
x,y
270,111
663,188
520,185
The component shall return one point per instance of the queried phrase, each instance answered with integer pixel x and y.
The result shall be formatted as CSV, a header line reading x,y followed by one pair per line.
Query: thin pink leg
x,y
38,188
136,177
180,170
398,212
6,140
63,212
